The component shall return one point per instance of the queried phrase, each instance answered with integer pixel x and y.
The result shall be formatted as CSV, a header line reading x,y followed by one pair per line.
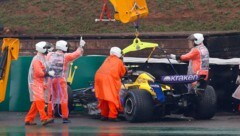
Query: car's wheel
x,y
138,106
206,104
70,99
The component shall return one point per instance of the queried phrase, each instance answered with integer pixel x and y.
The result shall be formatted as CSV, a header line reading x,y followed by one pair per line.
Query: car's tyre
x,y
70,99
71,106
206,104
138,106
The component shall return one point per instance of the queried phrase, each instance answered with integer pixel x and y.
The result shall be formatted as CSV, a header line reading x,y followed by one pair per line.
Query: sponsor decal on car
x,y
180,78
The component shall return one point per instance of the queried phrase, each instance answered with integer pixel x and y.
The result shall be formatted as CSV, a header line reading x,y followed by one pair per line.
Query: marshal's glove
x,y
82,43
51,73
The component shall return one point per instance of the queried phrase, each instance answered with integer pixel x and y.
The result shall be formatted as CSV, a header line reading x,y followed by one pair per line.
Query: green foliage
x,y
203,2
221,3
190,5
77,16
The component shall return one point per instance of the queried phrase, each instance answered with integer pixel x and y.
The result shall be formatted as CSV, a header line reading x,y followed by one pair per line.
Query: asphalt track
x,y
12,123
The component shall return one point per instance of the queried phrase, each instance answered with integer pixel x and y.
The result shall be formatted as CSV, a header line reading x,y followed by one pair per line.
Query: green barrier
x,y
17,97
14,74
4,105
19,94
87,66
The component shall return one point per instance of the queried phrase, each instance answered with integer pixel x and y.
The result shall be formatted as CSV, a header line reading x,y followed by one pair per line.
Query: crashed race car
x,y
144,98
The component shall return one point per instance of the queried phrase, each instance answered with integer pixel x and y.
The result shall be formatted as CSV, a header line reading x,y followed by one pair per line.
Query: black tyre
x,y
70,99
57,107
206,104
138,106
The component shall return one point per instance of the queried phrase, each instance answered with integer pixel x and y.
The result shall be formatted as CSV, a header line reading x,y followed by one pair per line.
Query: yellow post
x,y
71,73
11,48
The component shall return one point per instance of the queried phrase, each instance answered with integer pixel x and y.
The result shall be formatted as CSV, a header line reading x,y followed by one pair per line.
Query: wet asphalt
x,y
12,123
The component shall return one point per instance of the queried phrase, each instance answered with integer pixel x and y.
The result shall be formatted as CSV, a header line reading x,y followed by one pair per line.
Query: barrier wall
x,y
222,78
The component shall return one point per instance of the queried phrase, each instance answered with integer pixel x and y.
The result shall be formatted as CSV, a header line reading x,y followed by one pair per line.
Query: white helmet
x,y
61,45
41,47
116,51
197,38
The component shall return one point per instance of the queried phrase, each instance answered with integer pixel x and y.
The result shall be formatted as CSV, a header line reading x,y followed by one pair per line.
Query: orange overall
x,y
60,84
36,83
108,85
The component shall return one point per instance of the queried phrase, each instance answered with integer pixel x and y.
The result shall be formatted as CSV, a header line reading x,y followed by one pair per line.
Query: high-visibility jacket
x,y
198,59
59,61
36,78
108,80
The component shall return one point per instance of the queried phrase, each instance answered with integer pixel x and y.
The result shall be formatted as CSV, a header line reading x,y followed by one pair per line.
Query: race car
x,y
144,98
